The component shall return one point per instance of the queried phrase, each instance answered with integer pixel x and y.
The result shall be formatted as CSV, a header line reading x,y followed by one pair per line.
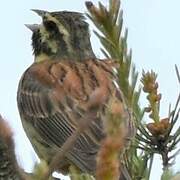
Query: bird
x,y
64,83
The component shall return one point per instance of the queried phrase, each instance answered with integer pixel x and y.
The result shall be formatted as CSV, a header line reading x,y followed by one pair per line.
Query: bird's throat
x,y
41,57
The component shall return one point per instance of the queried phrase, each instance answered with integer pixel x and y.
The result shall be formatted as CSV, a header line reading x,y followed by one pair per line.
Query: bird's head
x,y
61,35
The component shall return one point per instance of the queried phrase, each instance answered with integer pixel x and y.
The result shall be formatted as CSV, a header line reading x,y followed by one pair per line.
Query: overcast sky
x,y
154,29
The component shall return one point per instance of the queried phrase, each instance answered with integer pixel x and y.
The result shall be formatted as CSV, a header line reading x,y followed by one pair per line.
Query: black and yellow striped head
x,y
61,35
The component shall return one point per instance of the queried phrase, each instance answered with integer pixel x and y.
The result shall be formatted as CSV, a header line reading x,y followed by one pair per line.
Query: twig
x,y
177,73
150,166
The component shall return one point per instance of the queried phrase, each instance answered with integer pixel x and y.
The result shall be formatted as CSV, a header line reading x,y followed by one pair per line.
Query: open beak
x,y
40,12
33,27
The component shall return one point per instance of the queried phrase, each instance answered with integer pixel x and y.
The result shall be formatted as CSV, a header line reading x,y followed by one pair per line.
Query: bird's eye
x,y
50,25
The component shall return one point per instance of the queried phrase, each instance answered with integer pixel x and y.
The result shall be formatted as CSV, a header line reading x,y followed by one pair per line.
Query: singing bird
x,y
63,84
